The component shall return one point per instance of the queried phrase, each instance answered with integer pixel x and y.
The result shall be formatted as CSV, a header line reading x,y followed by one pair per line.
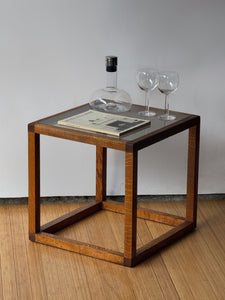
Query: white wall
x,y
52,58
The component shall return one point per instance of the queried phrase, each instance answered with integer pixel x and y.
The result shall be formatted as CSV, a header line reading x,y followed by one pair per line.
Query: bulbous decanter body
x,y
110,98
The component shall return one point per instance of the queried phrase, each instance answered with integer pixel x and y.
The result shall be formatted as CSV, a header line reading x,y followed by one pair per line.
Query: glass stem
x,y
146,101
166,105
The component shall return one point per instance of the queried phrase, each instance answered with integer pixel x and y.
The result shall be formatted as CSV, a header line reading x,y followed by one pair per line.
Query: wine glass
x,y
168,83
147,80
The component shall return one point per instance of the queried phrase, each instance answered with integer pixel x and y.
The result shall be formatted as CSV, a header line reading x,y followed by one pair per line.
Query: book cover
x,y
103,122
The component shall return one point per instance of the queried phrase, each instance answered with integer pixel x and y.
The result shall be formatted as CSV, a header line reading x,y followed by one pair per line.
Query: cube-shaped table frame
x,y
132,256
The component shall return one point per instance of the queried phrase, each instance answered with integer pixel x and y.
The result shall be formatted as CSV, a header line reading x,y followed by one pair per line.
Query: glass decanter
x,y
110,98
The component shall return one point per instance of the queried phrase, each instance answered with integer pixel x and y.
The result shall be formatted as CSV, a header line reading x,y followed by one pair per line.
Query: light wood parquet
x,y
191,268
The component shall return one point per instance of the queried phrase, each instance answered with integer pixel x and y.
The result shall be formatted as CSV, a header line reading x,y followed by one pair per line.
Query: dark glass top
x,y
155,125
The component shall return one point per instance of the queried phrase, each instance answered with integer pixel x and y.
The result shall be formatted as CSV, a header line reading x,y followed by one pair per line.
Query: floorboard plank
x,y
206,247
62,271
189,251
192,268
170,259
39,290
8,267
136,277
156,262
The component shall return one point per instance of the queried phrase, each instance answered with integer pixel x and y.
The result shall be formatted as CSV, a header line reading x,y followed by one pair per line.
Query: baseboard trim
x,y
80,199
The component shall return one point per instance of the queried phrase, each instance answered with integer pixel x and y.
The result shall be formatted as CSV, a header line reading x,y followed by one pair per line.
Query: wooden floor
x,y
192,268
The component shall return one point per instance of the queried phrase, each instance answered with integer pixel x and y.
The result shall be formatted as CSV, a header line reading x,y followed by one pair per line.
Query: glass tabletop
x,y
155,125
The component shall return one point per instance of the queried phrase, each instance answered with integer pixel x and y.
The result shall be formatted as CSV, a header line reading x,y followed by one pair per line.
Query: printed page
x,y
103,122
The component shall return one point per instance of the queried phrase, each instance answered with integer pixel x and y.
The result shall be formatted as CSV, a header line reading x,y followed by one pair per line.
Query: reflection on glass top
x,y
155,125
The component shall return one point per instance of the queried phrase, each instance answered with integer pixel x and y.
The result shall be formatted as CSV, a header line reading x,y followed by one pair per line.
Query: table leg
x,y
130,235
34,183
192,176
101,161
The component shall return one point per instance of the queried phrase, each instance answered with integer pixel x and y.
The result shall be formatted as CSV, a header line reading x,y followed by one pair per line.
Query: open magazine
x,y
103,122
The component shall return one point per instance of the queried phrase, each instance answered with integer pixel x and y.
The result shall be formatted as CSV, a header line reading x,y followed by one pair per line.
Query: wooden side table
x,y
130,143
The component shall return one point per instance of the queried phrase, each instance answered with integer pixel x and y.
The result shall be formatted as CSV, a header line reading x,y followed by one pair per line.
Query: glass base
x,y
110,105
114,107
167,117
147,113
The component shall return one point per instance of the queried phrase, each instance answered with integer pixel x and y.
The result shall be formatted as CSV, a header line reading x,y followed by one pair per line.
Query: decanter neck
x,y
111,71
111,79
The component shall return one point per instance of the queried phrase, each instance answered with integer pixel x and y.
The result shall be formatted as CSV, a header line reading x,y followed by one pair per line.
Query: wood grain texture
x,y
161,134
101,172
163,240
72,217
81,136
130,211
34,182
130,232
147,214
79,247
66,272
106,141
99,231
202,246
161,217
192,173
192,268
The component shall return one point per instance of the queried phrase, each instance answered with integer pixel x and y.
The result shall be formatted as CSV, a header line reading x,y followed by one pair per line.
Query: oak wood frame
x,y
46,234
